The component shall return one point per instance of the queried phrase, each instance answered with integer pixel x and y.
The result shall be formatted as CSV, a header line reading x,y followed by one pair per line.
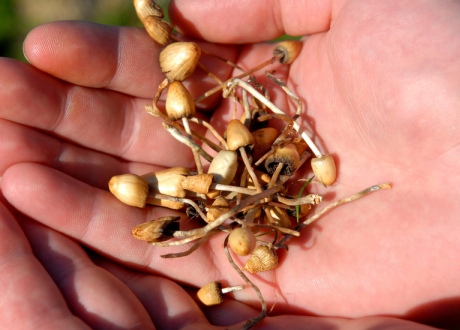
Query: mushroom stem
x,y
213,293
312,199
187,141
275,175
179,200
238,82
252,322
294,97
232,288
179,242
212,130
154,111
230,213
286,231
247,111
195,246
220,58
241,190
242,75
196,155
247,163
209,73
331,206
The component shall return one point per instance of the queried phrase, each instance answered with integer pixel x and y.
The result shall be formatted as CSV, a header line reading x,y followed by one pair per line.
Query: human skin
x,y
380,80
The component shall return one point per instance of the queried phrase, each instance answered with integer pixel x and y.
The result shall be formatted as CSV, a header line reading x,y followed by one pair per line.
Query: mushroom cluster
x,y
241,188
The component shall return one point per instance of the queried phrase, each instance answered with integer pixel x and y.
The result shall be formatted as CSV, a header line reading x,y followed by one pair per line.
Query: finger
x,y
88,54
169,305
30,298
92,293
96,219
123,59
24,144
251,21
98,119
160,295
325,323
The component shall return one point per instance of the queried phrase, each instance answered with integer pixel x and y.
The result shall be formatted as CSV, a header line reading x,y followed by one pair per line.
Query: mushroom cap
x,y
145,8
179,59
288,49
263,258
223,167
131,189
324,169
211,294
238,135
287,155
242,241
158,29
263,141
168,181
157,230
179,102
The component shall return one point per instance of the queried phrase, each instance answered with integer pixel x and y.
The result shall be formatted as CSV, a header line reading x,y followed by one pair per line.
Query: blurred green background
x,y
18,17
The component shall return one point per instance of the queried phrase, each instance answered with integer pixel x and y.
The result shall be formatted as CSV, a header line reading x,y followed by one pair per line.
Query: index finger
x,y
123,59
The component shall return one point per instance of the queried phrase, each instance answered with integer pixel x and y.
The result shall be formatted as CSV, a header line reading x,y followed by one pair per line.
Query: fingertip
x,y
246,22
74,51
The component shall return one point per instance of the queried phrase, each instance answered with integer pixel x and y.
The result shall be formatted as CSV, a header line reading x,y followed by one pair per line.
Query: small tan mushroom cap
x,y
242,241
178,60
288,50
131,189
238,135
324,169
211,294
179,102
262,259
287,155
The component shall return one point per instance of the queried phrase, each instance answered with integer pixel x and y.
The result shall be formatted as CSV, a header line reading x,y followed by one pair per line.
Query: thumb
x,y
243,21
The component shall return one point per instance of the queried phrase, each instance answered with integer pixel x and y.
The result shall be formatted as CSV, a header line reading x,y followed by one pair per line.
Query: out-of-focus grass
x,y
18,17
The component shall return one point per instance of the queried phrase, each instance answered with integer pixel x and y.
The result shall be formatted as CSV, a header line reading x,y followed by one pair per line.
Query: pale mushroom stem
x,y
264,157
294,97
333,205
242,75
253,175
196,155
275,175
241,190
232,288
230,213
179,200
209,73
283,230
185,140
243,183
154,111
247,111
238,82
195,246
312,199
251,322
179,242
220,58
212,130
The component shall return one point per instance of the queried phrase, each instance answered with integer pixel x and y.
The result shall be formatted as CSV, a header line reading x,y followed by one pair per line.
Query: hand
x,y
77,118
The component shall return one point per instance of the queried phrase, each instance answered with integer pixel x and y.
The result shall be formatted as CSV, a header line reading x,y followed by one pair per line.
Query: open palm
x,y
380,83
